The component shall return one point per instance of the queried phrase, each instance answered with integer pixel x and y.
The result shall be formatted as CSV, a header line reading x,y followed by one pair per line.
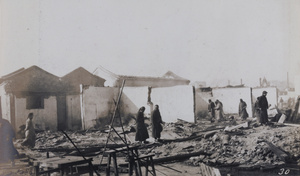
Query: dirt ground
x,y
238,152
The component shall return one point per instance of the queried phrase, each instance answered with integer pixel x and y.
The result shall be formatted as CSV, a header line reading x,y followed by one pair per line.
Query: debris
x,y
208,171
282,118
243,125
280,153
178,157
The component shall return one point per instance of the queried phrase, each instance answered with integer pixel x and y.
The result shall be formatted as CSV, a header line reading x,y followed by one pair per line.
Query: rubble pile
x,y
244,147
210,142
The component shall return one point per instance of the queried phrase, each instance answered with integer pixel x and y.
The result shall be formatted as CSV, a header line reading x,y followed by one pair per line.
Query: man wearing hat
x,y
263,106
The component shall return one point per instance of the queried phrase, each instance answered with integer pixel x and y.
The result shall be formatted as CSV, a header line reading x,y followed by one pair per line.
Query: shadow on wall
x,y
126,109
103,122
201,103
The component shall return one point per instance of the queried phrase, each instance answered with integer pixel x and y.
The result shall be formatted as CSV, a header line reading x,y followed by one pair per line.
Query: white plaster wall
x,y
175,103
43,118
133,98
201,99
5,103
98,103
271,97
230,97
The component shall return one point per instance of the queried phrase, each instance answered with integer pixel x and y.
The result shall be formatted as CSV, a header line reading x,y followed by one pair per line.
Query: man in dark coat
x,y
242,110
8,151
263,106
211,109
156,123
141,129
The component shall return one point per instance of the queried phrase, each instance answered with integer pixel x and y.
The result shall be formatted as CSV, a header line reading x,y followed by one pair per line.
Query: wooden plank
x,y
179,157
291,124
282,118
209,171
243,125
281,154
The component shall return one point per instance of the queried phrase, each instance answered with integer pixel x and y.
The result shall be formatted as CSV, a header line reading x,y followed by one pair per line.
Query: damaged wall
x,y
132,99
271,97
175,102
44,119
98,105
5,103
201,101
230,97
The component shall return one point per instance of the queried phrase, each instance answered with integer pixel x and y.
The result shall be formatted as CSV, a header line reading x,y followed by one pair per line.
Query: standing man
x,y
141,129
156,123
242,110
263,106
29,132
211,110
219,111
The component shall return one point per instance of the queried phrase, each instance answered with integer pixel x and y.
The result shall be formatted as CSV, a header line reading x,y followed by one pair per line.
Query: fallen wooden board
x,y
209,171
281,154
292,124
180,139
179,157
282,118
243,125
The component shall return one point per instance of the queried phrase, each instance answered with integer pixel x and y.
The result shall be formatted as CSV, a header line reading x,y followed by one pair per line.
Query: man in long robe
x,y
242,110
263,106
156,123
219,111
141,129
29,132
211,109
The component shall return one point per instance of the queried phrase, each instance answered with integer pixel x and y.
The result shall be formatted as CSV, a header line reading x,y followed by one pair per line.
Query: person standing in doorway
x,y
29,132
156,123
263,106
141,129
242,110
211,110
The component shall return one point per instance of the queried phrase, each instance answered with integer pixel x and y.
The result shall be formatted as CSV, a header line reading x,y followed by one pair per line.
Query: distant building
x,y
169,79
263,82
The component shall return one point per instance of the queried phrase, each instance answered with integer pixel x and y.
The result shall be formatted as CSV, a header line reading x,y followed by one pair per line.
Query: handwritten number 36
x,y
283,171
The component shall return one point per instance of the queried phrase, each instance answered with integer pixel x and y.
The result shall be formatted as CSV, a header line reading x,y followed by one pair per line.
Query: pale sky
x,y
213,41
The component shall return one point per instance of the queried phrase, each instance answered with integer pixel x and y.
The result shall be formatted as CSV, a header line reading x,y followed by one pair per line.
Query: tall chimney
x,y
241,81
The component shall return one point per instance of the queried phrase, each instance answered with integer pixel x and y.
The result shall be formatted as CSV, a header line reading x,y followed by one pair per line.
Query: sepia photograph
x,y
154,87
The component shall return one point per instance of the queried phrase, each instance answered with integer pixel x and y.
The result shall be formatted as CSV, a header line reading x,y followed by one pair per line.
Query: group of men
x,y
216,110
141,129
261,109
